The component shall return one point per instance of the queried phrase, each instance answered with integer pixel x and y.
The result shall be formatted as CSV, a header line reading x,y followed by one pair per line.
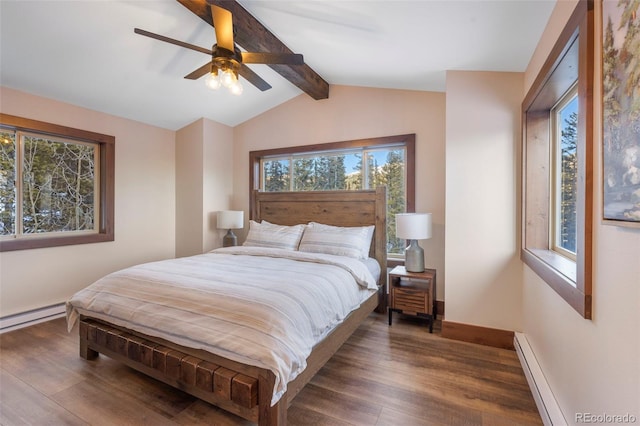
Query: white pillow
x,y
352,241
265,234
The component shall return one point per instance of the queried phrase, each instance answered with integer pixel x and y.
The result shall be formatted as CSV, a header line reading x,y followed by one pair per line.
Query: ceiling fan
x,y
227,61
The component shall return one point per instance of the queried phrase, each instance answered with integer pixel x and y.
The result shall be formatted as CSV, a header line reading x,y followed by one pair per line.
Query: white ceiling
x,y
86,53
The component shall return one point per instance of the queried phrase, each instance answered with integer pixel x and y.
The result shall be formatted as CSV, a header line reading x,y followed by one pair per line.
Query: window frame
x,y
570,60
556,170
408,141
106,185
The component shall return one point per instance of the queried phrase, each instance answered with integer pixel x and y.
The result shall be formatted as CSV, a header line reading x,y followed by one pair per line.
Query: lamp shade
x,y
230,219
413,226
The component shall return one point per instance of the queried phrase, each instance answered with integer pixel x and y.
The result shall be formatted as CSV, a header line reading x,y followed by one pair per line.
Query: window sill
x,y
562,265
561,275
34,243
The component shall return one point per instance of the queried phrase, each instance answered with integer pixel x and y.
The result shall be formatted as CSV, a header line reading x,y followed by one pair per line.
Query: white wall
x,y
592,366
484,273
144,209
356,113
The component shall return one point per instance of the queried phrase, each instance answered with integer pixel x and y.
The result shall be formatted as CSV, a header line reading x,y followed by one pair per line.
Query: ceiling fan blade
x,y
172,41
272,58
253,78
203,70
223,24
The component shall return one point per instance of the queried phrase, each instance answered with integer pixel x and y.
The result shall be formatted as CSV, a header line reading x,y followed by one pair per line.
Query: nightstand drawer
x,y
410,300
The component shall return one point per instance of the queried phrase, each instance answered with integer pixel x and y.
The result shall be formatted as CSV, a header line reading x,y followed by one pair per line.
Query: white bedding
x,y
262,307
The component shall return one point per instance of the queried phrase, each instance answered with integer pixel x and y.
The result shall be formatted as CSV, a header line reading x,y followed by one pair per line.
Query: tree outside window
x,y
7,186
54,189
567,177
56,185
348,168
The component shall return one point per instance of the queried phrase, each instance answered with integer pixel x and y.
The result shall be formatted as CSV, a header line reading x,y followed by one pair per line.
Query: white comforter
x,y
263,307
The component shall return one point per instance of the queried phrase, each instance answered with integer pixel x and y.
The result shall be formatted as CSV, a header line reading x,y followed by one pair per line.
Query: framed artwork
x,y
621,111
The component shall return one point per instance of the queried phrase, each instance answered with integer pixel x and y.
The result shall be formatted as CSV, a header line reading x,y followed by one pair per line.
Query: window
x,y
558,164
350,165
565,175
56,185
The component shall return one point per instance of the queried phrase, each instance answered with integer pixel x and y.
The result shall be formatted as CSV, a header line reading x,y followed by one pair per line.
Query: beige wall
x,y
591,365
356,113
217,191
189,176
484,272
144,209
169,185
557,20
204,175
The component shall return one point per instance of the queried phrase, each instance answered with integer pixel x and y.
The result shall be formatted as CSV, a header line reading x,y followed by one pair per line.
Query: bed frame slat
x,y
204,375
189,369
244,390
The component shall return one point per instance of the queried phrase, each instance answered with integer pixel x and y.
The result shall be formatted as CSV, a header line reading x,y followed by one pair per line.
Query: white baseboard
x,y
545,401
25,319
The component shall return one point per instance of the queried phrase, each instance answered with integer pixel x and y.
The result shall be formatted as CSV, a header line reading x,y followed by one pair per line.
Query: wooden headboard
x,y
338,208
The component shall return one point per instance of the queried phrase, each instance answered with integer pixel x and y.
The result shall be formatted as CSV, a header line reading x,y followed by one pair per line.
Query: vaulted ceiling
x,y
86,52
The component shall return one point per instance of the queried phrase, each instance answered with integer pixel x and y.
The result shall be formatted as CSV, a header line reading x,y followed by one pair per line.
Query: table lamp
x,y
230,220
413,227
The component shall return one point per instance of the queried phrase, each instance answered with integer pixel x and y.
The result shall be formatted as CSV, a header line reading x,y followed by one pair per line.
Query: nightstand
x,y
413,293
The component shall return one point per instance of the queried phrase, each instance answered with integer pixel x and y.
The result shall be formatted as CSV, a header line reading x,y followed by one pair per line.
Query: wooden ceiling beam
x,y
255,37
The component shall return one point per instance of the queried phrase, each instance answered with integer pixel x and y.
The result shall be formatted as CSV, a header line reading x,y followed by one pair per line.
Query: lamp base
x,y
229,239
414,257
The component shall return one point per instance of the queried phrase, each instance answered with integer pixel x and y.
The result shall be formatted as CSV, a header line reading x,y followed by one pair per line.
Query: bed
x,y
231,381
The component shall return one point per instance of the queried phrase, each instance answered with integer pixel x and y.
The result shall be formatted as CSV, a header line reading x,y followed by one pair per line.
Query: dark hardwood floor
x,y
399,375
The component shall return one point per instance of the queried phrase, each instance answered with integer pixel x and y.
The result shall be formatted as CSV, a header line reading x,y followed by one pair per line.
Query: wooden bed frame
x,y
242,389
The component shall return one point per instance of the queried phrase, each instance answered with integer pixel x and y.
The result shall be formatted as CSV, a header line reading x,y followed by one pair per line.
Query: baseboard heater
x,y
25,319
545,401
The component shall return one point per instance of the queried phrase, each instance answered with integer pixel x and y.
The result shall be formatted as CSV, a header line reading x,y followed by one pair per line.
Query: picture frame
x,y
621,112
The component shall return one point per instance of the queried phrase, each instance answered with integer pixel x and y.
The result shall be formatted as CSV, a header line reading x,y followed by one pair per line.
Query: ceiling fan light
x,y
228,78
212,81
236,88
